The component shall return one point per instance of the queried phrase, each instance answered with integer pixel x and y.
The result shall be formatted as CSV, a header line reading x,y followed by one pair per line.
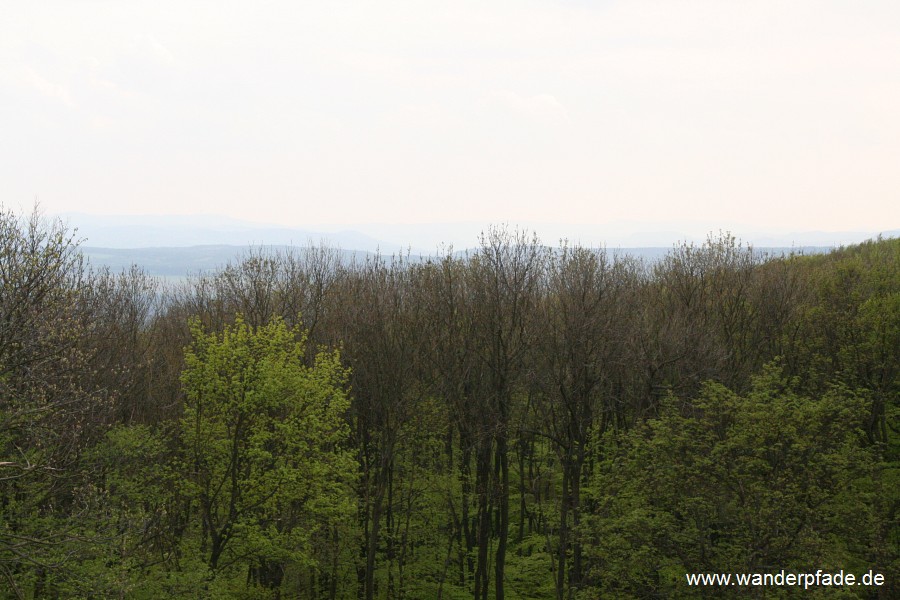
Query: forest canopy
x,y
515,422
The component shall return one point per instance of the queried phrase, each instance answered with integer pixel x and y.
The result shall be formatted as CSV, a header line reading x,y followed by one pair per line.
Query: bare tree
x,y
582,348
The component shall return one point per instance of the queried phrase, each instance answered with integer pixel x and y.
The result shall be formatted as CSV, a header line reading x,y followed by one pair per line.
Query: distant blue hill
x,y
181,262
165,231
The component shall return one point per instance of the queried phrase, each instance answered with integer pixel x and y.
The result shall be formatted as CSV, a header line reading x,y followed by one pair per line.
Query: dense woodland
x,y
516,422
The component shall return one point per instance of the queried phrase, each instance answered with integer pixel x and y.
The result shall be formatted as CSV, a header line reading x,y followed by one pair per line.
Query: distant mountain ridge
x,y
155,231
183,261
204,230
178,245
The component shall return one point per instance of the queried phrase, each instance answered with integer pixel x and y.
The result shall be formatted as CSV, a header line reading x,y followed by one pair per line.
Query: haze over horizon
x,y
766,115
137,231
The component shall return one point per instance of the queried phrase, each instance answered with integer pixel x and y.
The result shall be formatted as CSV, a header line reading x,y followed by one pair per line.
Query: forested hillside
x,y
520,422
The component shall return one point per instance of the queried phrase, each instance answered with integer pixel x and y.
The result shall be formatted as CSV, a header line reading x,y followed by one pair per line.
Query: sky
x,y
767,115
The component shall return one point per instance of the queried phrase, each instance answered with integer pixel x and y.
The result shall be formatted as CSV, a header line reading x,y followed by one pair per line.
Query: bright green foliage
x,y
139,503
262,436
727,483
849,335
510,421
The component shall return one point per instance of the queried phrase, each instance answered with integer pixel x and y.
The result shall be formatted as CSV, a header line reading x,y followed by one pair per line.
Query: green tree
x,y
263,438
52,406
729,483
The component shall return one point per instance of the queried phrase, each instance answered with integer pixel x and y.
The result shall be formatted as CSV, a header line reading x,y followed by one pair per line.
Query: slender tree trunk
x,y
485,505
575,574
563,533
467,565
522,506
372,548
499,567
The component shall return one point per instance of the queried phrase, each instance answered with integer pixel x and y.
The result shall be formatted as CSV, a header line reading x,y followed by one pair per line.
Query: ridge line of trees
x,y
521,421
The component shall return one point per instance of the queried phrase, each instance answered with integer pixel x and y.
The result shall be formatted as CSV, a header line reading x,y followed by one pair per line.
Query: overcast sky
x,y
780,115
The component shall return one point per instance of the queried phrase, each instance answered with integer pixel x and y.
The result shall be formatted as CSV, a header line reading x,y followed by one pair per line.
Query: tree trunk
x,y
500,566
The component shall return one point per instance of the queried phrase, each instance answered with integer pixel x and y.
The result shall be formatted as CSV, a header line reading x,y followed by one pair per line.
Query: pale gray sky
x,y
780,115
